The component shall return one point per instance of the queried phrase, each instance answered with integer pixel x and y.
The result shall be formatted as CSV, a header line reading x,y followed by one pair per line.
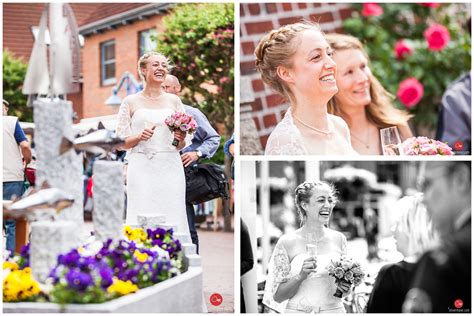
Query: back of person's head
x,y
277,48
415,222
380,110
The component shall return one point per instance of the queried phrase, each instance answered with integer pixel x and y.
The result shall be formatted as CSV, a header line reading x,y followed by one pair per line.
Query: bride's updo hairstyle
x,y
303,193
143,61
277,49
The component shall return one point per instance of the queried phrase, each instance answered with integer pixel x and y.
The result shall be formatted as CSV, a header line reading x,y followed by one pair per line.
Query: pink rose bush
x,y
437,36
346,270
402,49
410,92
371,9
424,146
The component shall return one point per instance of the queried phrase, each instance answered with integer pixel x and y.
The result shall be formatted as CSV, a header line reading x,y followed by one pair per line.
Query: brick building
x,y
115,35
256,19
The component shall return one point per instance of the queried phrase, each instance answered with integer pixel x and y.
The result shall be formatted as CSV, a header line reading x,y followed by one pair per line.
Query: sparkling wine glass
x,y
312,249
391,143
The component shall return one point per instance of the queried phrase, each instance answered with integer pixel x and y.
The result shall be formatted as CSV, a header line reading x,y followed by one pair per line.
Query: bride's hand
x,y
146,134
309,265
179,135
344,287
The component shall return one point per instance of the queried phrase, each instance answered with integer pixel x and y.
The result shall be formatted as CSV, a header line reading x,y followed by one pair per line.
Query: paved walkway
x,y
217,254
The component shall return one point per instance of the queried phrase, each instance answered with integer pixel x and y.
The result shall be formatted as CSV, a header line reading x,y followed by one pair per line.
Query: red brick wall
x,y
126,57
256,19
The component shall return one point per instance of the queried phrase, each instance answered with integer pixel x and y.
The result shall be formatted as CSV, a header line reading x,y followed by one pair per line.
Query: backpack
x,y
205,182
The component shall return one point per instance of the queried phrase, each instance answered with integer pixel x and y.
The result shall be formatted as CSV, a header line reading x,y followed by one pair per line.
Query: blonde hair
x,y
143,61
277,49
380,110
415,222
303,193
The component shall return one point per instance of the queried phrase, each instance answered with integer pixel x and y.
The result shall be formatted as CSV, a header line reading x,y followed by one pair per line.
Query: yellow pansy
x,y
142,235
122,288
10,265
19,286
140,256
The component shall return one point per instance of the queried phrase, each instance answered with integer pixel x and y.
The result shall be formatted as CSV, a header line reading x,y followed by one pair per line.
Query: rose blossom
x,y
339,273
349,276
410,92
437,36
430,4
370,9
402,49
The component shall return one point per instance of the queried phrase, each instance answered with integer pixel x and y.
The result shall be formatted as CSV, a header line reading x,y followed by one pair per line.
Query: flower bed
x,y
103,276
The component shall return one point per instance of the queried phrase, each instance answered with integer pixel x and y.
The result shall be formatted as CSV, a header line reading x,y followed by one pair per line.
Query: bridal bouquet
x,y
346,271
424,146
181,121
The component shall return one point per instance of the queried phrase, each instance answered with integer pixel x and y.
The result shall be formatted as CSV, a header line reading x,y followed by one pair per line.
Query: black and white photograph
x,y
356,236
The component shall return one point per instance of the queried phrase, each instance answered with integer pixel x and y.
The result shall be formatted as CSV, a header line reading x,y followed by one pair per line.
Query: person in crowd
x,y
414,236
246,258
296,61
16,157
361,100
442,279
298,279
155,174
454,120
204,145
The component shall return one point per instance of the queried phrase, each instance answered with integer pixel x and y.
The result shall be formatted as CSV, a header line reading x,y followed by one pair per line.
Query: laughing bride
x,y
295,60
298,280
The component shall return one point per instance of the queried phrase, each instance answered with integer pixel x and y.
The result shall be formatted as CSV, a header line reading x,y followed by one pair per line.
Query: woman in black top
x,y
414,235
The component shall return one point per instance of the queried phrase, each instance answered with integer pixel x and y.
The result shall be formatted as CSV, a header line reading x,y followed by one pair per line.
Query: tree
x,y
14,72
199,39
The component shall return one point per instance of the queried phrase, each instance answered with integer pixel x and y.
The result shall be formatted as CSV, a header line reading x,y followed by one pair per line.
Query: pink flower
x,y
410,92
430,4
424,146
224,79
437,36
402,49
370,9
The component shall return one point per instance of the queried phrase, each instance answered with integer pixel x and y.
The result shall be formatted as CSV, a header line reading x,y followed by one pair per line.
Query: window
x,y
147,40
107,63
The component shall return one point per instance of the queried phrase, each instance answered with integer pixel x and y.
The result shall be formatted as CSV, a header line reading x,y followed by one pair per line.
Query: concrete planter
x,y
181,294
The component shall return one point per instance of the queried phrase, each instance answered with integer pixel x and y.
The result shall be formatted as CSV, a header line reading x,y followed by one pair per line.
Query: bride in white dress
x,y
155,175
298,279
295,61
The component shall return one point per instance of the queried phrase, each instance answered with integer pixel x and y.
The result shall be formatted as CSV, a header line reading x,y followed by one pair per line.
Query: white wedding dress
x,y
316,293
155,175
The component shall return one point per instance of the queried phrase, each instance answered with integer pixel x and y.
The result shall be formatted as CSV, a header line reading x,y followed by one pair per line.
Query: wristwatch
x,y
199,154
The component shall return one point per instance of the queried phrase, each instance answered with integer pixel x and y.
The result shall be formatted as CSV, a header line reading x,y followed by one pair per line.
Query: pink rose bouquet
x,y
347,271
424,146
181,121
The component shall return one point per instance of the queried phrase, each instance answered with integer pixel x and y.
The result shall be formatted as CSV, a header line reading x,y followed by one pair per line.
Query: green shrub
x,y
434,69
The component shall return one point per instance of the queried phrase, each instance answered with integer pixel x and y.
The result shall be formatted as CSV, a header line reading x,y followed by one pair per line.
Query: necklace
x,y
313,128
366,142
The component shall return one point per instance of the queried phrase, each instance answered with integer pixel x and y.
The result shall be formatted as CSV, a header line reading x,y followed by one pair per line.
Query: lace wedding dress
x,y
286,139
316,293
155,174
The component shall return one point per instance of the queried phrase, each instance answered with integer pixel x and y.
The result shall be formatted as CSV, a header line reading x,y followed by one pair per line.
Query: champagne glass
x,y
312,249
390,140
149,125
